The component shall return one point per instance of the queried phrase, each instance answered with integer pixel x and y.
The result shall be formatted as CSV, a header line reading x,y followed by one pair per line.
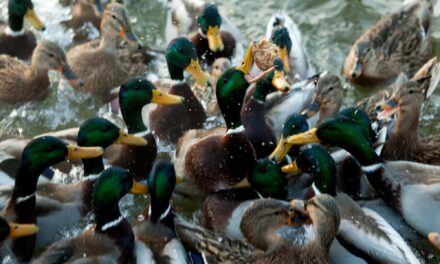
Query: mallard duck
x,y
154,229
220,158
399,183
111,237
358,225
399,42
22,82
170,122
275,232
39,154
283,32
257,130
210,41
134,94
404,143
13,230
14,40
99,66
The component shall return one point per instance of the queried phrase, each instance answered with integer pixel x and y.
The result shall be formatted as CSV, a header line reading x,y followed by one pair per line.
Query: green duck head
x,y
268,179
111,185
13,230
342,132
19,9
41,153
315,160
280,37
209,22
274,81
361,118
161,183
181,55
294,124
103,133
134,94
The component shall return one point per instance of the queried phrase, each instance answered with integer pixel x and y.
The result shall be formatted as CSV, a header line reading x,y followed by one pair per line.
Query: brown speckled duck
x,y
405,143
275,232
22,82
15,41
100,67
398,43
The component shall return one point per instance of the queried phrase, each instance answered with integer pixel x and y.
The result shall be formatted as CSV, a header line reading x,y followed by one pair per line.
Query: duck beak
x,y
21,230
389,108
138,188
33,19
434,238
304,138
130,37
166,99
357,70
215,41
129,139
242,184
75,152
247,62
179,179
312,110
195,71
259,77
281,150
298,215
292,168
279,81
70,76
285,58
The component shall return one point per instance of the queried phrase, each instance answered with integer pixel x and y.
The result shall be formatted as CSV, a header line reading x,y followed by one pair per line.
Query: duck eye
x,y
225,80
113,16
51,55
180,50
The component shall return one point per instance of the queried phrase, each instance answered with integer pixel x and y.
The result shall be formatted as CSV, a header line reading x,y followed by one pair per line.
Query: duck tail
x,y
429,77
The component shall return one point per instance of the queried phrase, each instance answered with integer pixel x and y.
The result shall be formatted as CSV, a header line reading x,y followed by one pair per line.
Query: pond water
x,y
328,28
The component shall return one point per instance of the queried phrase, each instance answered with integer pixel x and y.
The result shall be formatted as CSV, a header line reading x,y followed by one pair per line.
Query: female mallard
x,y
111,237
400,183
154,229
14,40
99,66
22,82
134,94
404,143
219,159
398,43
283,32
169,123
358,225
275,232
38,155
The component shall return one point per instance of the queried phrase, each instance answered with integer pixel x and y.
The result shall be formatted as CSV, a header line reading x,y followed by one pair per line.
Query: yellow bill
x,y
128,139
285,58
21,230
166,99
304,138
33,19
247,62
138,188
242,184
291,168
195,71
215,41
281,150
130,37
279,81
75,152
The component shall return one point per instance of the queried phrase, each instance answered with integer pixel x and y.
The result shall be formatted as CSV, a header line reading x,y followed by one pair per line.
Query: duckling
x,y
15,41
211,42
22,82
99,66
358,225
38,155
111,237
283,32
399,183
169,123
154,228
134,94
275,232
399,42
404,143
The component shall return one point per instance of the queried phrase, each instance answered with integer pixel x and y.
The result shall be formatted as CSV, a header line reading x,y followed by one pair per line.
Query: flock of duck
x,y
289,177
